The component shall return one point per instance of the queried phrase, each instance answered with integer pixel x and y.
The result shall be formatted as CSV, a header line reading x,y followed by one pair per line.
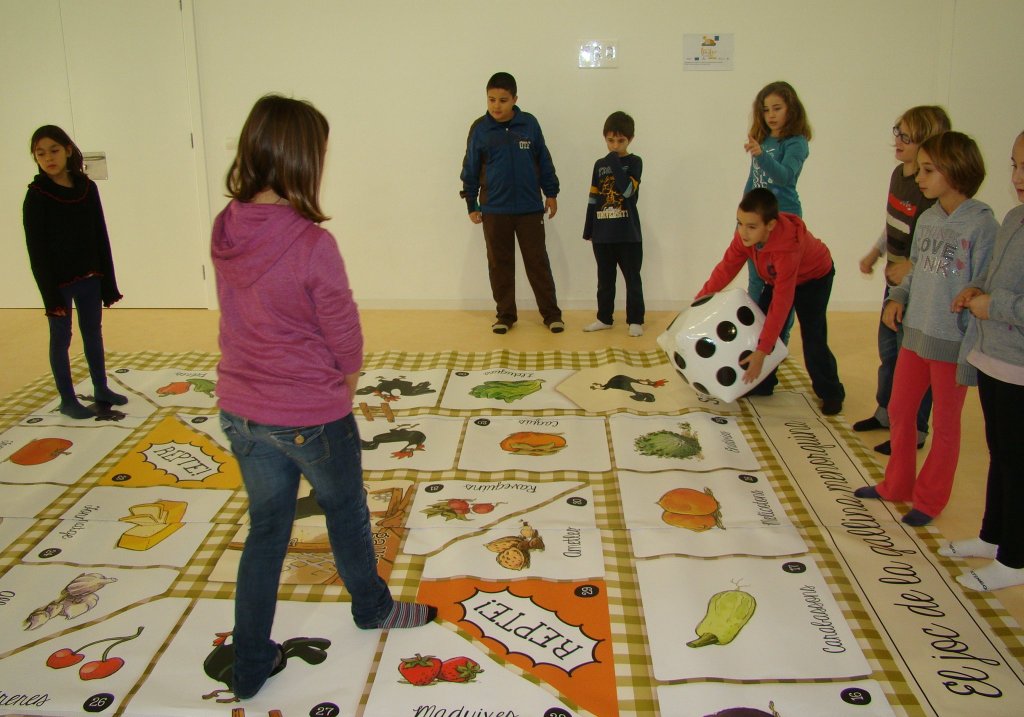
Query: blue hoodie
x,y
778,169
507,164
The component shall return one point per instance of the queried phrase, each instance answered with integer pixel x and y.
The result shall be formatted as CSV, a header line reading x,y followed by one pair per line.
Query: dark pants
x,y
500,233
85,294
1003,407
889,343
629,257
811,304
755,287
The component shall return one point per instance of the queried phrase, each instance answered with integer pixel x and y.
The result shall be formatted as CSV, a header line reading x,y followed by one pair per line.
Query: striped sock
x,y
408,614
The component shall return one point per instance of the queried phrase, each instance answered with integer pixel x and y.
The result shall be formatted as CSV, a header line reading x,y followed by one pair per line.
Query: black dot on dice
x,y
727,331
702,300
680,361
745,315
706,348
726,376
743,356
701,388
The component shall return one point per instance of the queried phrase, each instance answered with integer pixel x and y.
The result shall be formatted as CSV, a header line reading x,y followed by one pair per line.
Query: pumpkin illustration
x,y
529,443
40,450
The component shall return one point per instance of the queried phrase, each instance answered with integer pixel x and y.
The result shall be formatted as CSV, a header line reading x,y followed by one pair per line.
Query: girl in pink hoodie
x,y
291,350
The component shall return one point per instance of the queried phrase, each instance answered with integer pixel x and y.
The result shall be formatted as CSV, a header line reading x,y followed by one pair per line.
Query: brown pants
x,y
500,233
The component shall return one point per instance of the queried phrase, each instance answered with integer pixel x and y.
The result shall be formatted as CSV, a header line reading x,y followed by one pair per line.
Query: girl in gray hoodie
x,y
951,247
995,346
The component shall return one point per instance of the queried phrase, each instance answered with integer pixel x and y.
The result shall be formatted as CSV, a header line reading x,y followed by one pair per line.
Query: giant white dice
x,y
706,342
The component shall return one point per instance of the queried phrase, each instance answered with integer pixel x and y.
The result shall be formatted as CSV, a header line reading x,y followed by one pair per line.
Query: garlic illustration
x,y
77,598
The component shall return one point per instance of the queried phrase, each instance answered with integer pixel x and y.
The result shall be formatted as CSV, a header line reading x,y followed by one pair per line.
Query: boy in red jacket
x,y
797,270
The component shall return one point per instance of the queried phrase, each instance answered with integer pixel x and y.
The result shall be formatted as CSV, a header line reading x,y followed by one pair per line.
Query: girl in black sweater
x,y
69,250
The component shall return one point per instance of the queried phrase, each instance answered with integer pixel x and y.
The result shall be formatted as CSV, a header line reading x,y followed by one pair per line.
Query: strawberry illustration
x,y
459,669
420,670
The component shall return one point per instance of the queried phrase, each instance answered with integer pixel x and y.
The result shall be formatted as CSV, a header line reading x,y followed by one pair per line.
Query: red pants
x,y
928,490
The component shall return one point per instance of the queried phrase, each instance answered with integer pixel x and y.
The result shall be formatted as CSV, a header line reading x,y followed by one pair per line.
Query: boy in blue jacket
x,y
506,167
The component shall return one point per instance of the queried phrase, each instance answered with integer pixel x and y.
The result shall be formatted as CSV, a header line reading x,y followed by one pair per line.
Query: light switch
x,y
595,54
95,165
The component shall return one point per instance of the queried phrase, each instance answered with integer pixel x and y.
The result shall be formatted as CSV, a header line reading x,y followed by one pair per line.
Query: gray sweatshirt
x,y
948,252
996,345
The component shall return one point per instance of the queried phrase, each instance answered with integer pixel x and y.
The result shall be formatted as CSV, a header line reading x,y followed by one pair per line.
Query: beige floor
x,y
852,337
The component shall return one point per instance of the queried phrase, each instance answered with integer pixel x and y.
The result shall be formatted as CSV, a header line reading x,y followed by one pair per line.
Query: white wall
x,y
401,81
113,74
29,101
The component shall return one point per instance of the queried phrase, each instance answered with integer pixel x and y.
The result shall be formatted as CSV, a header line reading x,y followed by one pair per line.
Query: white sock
x,y
597,326
994,576
636,330
969,548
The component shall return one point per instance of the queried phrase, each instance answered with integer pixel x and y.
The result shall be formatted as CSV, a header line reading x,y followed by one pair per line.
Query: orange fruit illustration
x,y
696,523
687,501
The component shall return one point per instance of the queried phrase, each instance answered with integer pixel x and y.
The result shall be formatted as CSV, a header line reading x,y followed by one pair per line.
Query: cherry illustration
x,y
98,669
484,507
64,658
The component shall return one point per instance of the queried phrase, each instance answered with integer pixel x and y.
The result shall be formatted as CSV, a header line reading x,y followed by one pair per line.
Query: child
x,y
904,206
994,344
798,271
777,143
291,350
69,251
951,247
506,167
612,225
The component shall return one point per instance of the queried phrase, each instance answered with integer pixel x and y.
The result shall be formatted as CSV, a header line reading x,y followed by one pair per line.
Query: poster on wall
x,y
708,51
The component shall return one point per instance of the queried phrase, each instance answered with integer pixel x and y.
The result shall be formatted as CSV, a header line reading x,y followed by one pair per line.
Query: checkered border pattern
x,y
633,664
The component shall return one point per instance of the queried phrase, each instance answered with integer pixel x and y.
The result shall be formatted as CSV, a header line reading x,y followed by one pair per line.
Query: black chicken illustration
x,y
307,506
220,663
413,440
386,388
625,383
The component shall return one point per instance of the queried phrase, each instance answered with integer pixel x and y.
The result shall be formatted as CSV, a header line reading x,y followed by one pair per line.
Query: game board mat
x,y
902,677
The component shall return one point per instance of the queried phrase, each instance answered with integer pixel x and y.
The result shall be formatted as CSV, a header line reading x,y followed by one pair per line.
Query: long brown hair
x,y
51,131
796,115
282,147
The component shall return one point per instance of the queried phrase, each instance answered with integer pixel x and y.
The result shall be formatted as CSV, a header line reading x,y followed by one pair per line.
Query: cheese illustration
x,y
152,523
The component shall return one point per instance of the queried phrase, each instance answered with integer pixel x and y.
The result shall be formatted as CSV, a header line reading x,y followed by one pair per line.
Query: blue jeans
x,y
889,343
85,294
271,459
